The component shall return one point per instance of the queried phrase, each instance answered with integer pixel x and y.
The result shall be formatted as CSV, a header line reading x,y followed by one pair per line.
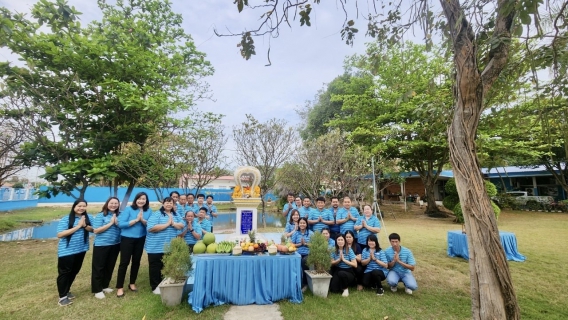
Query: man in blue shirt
x,y
289,206
211,209
334,209
401,263
190,204
306,208
320,217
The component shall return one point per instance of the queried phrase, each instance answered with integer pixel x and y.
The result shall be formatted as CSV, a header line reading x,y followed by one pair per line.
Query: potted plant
x,y
320,258
177,263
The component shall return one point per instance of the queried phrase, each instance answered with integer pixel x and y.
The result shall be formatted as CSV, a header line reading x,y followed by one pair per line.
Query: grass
x,y
28,288
10,220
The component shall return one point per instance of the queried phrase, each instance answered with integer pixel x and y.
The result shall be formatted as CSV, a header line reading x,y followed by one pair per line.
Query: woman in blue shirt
x,y
376,265
162,227
106,247
301,239
352,243
292,224
366,225
343,258
191,230
132,224
73,233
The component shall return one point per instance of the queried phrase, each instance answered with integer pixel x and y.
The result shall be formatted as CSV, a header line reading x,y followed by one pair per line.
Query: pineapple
x,y
283,239
252,236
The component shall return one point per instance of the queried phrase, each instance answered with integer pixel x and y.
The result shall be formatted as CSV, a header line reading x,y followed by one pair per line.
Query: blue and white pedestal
x,y
247,215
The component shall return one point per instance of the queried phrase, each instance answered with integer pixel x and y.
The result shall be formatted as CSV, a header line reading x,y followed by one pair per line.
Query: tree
x,y
329,164
480,34
11,141
265,146
88,90
323,109
405,113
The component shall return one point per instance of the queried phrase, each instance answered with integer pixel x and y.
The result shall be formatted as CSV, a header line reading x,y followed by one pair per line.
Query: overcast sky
x,y
303,58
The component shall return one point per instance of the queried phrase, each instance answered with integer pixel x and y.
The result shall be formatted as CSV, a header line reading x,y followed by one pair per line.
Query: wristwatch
x,y
191,230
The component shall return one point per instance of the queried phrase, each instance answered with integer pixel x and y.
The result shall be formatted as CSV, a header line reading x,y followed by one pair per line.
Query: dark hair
x,y
394,236
188,211
307,197
337,246
210,196
105,207
71,223
201,195
292,213
335,197
191,194
136,197
320,199
374,239
168,199
174,192
291,194
204,209
354,244
325,229
307,224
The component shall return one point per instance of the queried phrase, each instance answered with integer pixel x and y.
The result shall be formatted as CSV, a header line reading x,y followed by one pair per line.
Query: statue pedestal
x,y
247,214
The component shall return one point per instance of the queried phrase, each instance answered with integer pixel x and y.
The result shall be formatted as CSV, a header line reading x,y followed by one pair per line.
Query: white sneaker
x,y
156,291
408,291
100,295
345,293
394,289
108,290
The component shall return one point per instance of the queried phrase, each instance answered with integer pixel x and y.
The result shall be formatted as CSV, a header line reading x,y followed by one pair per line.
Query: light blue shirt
x,y
304,212
137,230
297,239
405,255
286,207
364,232
205,225
373,265
349,224
189,238
334,227
77,243
155,241
324,214
110,236
350,256
209,210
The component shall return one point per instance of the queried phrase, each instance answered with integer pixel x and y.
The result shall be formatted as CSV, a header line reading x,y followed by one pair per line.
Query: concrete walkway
x,y
254,312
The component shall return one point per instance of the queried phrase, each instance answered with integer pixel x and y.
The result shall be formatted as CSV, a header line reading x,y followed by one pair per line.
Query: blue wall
x,y
17,204
101,194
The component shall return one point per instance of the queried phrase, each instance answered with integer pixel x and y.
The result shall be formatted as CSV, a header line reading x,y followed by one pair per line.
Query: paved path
x,y
254,312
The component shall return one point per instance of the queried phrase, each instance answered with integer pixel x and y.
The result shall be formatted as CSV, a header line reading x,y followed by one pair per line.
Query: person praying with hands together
x,y
292,224
366,225
344,260
132,224
301,239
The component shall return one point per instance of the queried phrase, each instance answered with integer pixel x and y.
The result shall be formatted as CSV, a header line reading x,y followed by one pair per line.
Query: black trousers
x,y
67,268
342,279
104,260
373,279
304,268
359,272
129,248
155,266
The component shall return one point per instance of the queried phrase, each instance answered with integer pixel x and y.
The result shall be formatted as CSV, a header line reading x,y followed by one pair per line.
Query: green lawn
x,y
28,272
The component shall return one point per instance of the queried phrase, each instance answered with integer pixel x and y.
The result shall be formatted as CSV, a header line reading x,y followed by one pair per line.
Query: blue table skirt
x,y
242,280
457,245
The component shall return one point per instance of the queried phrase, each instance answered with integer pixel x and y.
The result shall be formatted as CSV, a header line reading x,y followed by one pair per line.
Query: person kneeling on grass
x,y
345,261
401,264
375,262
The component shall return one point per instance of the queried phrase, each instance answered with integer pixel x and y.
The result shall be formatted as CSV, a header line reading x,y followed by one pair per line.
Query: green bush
x,y
450,187
450,201
496,210
490,188
176,259
319,253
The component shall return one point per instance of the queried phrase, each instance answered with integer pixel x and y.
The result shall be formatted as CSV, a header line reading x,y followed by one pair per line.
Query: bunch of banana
x,y
224,247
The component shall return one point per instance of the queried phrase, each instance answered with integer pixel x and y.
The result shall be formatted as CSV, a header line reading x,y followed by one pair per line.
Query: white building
x,y
222,182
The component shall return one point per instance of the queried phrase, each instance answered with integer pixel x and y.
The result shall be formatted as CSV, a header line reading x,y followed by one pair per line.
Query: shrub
x,y
450,187
176,259
490,188
459,213
450,201
319,253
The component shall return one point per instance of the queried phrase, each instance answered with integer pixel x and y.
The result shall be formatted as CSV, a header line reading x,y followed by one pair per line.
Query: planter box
x,y
171,293
318,283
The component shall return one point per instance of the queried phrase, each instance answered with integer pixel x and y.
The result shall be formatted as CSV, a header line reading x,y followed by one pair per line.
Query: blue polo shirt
x,y
304,212
331,243
193,207
289,227
364,232
155,241
285,209
182,209
350,257
137,230
110,236
189,238
324,214
349,224
209,210
334,228
205,225
77,243
405,255
297,239
372,265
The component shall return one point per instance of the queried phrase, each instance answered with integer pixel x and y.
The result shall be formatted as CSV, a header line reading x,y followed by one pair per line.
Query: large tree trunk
x,y
492,292
432,208
129,190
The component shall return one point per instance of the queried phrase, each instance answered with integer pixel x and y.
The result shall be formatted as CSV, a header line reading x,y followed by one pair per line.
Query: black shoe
x,y
380,291
65,302
70,296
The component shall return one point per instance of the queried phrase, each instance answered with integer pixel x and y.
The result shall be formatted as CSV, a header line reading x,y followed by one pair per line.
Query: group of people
x,y
127,233
355,253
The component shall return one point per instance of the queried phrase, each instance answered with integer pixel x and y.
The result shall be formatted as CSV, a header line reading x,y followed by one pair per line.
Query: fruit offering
x,y
224,247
